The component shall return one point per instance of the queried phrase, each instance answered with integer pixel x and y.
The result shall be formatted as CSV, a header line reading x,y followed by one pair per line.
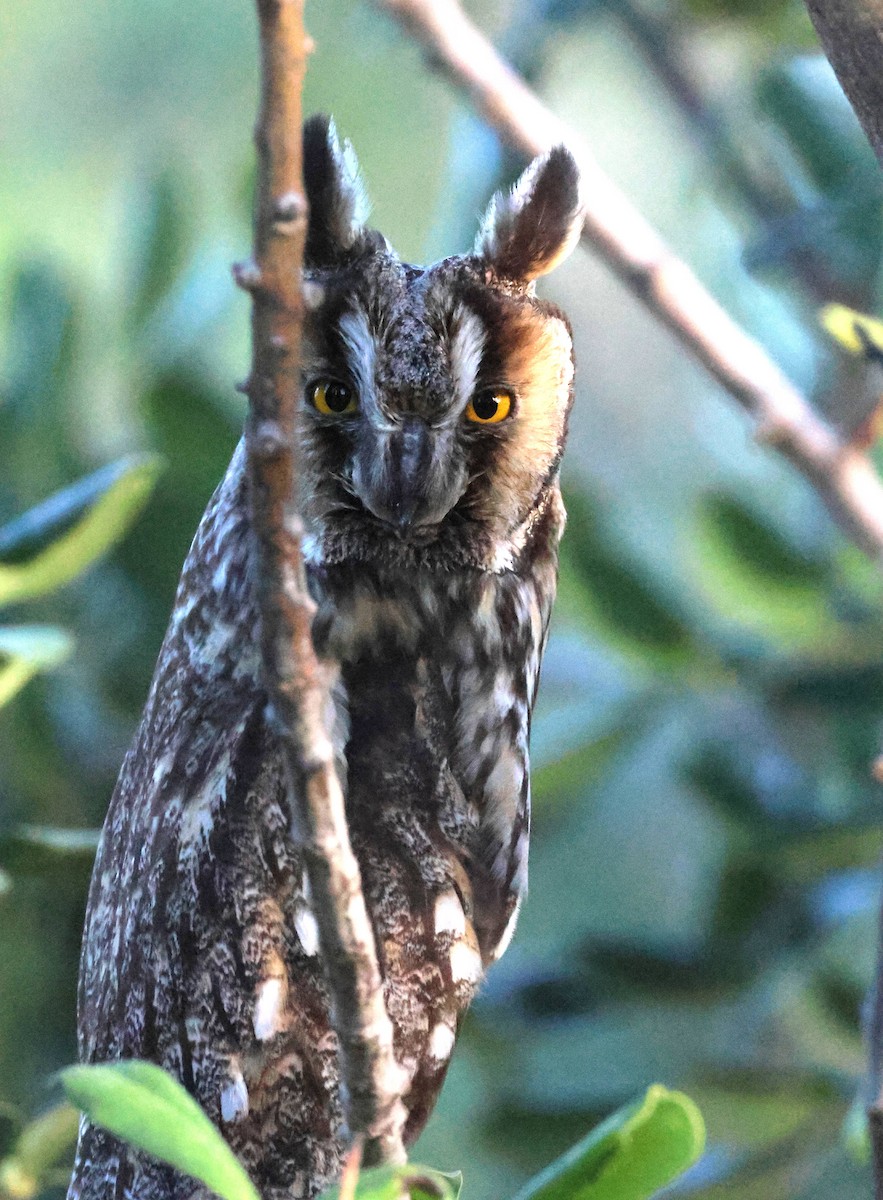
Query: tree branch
x,y
841,473
297,683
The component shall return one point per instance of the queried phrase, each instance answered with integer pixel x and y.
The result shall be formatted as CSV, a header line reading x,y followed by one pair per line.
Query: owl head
x,y
435,398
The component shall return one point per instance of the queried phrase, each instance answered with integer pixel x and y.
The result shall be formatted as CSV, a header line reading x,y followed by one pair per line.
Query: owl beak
x,y
407,482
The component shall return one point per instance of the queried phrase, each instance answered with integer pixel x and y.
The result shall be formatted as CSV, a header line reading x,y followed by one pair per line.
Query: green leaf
x,y
158,241
41,849
26,650
26,535
38,1149
622,595
144,1105
855,1133
396,1183
756,579
631,1155
93,535
758,543
802,96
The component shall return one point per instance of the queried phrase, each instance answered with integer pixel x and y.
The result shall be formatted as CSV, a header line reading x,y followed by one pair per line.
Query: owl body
x,y
431,552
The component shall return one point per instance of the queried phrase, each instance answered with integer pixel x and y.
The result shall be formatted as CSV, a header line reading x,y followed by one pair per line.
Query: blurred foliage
x,y
629,1156
706,839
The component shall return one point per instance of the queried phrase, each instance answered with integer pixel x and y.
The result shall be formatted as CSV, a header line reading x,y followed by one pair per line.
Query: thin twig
x,y
297,683
841,473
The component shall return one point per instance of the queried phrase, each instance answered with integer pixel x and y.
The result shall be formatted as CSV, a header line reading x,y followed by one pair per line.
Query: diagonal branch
x,y
841,473
297,683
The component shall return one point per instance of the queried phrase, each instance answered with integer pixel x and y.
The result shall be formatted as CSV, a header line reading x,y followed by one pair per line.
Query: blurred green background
x,y
706,839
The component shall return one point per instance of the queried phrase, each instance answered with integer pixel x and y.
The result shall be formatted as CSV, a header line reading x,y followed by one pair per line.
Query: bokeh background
x,y
705,862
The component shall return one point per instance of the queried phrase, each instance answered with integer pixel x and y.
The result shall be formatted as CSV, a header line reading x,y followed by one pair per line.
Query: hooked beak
x,y
406,477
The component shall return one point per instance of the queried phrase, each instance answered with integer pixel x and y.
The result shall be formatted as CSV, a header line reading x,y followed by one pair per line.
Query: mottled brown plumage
x,y
432,532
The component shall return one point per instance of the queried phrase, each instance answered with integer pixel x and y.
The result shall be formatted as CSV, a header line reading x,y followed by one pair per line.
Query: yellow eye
x,y
487,408
332,399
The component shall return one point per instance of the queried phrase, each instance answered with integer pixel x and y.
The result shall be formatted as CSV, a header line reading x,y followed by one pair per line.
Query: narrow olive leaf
x,y
39,1147
101,526
631,1155
854,331
143,1105
401,1183
32,531
26,650
41,849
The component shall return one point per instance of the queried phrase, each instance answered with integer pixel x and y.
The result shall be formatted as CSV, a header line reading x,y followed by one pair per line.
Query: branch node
x,y
771,432
313,294
289,211
248,276
267,439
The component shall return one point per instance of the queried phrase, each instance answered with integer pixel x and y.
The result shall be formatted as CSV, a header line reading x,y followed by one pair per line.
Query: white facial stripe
x,y
467,347
361,350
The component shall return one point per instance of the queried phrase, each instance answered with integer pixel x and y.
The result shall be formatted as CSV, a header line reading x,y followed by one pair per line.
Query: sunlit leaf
x,y
40,1146
25,650
144,1105
99,529
854,331
41,849
631,1155
399,1183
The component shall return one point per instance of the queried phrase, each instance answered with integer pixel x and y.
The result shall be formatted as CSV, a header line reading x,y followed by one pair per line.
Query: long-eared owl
x,y
434,416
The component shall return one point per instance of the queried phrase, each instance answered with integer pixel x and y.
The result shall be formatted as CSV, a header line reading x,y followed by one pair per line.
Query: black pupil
x,y
486,406
337,397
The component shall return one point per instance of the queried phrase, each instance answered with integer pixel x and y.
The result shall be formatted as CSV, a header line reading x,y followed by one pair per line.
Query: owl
x,y
434,416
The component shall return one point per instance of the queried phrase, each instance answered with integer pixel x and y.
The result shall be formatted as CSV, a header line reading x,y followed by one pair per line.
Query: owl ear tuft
x,y
335,192
531,229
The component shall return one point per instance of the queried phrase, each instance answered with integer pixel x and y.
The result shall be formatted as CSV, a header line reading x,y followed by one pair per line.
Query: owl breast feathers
x,y
434,418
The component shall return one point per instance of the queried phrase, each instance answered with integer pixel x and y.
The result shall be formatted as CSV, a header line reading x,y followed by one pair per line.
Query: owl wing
x,y
200,948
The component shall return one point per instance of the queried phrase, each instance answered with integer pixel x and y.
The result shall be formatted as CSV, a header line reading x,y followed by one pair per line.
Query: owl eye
x,y
332,399
487,408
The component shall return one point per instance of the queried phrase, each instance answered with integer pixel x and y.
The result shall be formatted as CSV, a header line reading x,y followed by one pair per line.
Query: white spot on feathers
x,y
441,1042
465,963
449,915
307,930
234,1099
268,1008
